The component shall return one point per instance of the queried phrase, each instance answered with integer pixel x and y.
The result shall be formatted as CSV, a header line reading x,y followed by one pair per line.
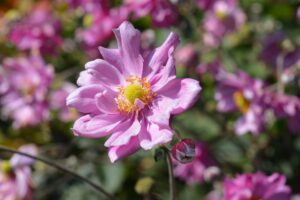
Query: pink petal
x,y
160,55
106,73
129,43
105,102
86,78
182,91
113,56
23,181
165,75
154,135
119,152
83,98
124,133
19,160
97,126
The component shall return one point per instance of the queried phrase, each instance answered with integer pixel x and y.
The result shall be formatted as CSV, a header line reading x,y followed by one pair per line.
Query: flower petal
x,y
154,135
21,161
129,44
160,55
119,152
97,126
182,91
83,98
124,133
112,56
105,102
106,73
23,182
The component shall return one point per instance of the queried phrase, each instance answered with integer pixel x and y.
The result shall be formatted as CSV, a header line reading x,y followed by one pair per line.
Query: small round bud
x,y
184,151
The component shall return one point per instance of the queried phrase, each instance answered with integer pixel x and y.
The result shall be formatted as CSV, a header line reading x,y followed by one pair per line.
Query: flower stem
x,y
59,167
171,177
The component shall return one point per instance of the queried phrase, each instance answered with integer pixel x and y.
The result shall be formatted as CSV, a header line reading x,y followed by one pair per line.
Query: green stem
x,y
171,177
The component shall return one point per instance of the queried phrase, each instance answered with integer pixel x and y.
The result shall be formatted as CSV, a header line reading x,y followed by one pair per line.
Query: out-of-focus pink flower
x,y
187,56
130,94
225,17
184,151
215,68
23,95
89,6
194,171
273,50
208,4
298,13
98,27
58,102
39,30
239,92
256,186
285,106
162,12
15,175
213,195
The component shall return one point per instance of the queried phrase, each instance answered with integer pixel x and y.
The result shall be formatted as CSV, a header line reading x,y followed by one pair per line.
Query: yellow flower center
x,y
221,15
241,102
5,166
134,91
138,88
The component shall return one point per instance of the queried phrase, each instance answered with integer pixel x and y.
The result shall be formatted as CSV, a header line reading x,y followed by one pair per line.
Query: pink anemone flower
x,y
130,94
15,175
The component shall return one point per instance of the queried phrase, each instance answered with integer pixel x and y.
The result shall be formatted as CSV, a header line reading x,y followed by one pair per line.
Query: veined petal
x,y
153,135
106,73
160,55
166,74
105,102
97,126
113,56
182,91
129,44
124,133
83,98
119,152
86,78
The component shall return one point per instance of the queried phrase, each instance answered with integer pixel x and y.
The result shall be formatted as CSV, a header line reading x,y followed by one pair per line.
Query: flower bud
x,y
184,151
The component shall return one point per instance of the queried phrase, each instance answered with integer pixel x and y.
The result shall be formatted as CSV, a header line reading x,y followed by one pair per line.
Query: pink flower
x,y
224,17
194,171
287,106
15,175
88,5
239,92
274,48
256,186
39,30
162,12
99,25
58,102
130,94
187,56
25,85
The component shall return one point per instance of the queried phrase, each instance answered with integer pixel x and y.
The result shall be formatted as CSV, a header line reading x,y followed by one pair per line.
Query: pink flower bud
x,y
184,151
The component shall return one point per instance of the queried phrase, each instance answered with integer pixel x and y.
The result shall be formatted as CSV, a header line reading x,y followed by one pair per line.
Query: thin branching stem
x,y
59,167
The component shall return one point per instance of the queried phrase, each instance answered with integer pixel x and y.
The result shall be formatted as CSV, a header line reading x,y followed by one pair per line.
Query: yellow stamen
x,y
241,102
221,15
137,88
5,166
